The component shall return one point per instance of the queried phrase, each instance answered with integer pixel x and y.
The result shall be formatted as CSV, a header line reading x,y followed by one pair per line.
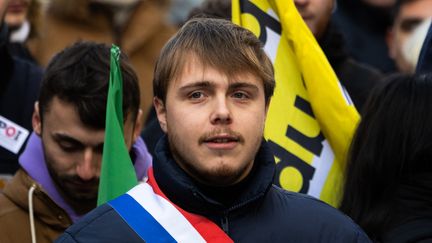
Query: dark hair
x,y
397,6
392,145
217,43
80,75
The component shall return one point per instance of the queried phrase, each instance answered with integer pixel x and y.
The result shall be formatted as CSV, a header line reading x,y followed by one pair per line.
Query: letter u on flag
x,y
311,119
117,172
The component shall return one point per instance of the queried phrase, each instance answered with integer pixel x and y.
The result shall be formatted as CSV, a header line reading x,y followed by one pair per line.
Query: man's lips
x,y
222,142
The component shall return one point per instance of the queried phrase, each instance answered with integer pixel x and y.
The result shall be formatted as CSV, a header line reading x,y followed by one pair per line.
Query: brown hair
x,y
217,43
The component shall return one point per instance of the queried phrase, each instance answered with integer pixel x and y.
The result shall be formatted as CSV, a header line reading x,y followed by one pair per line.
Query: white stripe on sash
x,y
165,213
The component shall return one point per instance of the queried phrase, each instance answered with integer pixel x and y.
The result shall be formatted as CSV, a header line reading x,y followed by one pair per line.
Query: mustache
x,y
221,131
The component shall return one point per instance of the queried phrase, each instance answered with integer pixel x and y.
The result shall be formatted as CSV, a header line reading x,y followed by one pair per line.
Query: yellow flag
x,y
311,118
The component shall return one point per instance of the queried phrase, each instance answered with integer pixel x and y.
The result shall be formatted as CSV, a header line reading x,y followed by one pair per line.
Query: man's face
x,y
316,14
411,14
214,122
17,12
73,151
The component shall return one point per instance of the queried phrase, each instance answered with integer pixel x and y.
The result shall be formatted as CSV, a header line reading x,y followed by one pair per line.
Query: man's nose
x,y
221,113
87,169
301,3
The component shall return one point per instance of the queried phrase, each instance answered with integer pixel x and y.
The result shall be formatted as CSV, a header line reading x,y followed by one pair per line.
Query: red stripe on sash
x,y
205,227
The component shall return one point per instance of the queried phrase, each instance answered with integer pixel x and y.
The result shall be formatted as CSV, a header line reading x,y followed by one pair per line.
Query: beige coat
x,y
49,219
146,31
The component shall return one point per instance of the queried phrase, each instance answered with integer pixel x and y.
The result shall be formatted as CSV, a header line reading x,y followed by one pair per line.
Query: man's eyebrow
x,y
194,85
69,139
239,85
66,138
410,23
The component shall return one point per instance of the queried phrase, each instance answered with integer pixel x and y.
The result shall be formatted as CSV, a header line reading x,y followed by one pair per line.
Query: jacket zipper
x,y
224,219
224,223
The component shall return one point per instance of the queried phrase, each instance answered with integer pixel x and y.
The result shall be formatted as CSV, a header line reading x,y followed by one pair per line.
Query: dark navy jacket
x,y
261,212
19,89
424,65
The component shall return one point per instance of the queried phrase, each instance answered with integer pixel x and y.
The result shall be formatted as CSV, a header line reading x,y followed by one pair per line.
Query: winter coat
x,y
359,79
144,34
50,220
252,211
364,28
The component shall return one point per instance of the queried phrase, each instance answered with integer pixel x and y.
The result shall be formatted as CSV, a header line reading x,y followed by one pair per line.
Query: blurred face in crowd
x,y
17,12
316,14
73,151
214,122
410,15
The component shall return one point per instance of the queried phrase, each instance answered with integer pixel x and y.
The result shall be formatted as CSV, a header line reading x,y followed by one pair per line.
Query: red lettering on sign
x,y
10,131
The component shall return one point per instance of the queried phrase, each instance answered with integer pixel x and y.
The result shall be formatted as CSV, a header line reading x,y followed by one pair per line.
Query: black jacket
x,y
358,79
19,89
254,211
364,28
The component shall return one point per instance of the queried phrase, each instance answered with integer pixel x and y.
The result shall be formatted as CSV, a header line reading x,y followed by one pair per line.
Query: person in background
x,y
138,27
23,19
211,99
406,35
19,88
59,176
388,187
179,10
364,25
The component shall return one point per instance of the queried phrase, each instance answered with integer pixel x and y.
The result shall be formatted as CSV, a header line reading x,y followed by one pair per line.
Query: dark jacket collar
x,y
184,191
333,46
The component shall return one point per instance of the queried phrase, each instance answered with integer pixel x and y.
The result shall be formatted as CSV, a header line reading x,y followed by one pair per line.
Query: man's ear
x,y
138,125
160,112
36,120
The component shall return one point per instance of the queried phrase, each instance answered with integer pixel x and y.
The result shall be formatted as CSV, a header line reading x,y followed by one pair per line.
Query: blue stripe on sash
x,y
140,220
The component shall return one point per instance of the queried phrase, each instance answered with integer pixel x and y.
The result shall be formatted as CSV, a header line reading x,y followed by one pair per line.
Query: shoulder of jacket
x,y
99,213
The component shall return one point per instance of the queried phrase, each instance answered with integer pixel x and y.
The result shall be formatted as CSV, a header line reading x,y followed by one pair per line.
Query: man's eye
x,y
196,95
240,95
68,147
409,25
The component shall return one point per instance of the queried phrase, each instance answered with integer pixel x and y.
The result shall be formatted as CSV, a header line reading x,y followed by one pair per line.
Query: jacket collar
x,y
184,191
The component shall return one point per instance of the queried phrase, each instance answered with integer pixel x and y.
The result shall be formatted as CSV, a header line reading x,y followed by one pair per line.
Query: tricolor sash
x,y
156,219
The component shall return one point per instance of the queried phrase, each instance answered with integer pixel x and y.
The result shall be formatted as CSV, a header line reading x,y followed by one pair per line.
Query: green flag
x,y
117,172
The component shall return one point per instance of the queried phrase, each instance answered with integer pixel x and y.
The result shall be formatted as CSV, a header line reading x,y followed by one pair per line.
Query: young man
x,y
357,78
212,85
408,15
60,167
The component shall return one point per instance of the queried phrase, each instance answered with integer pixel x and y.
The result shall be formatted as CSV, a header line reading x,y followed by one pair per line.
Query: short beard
x,y
220,177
